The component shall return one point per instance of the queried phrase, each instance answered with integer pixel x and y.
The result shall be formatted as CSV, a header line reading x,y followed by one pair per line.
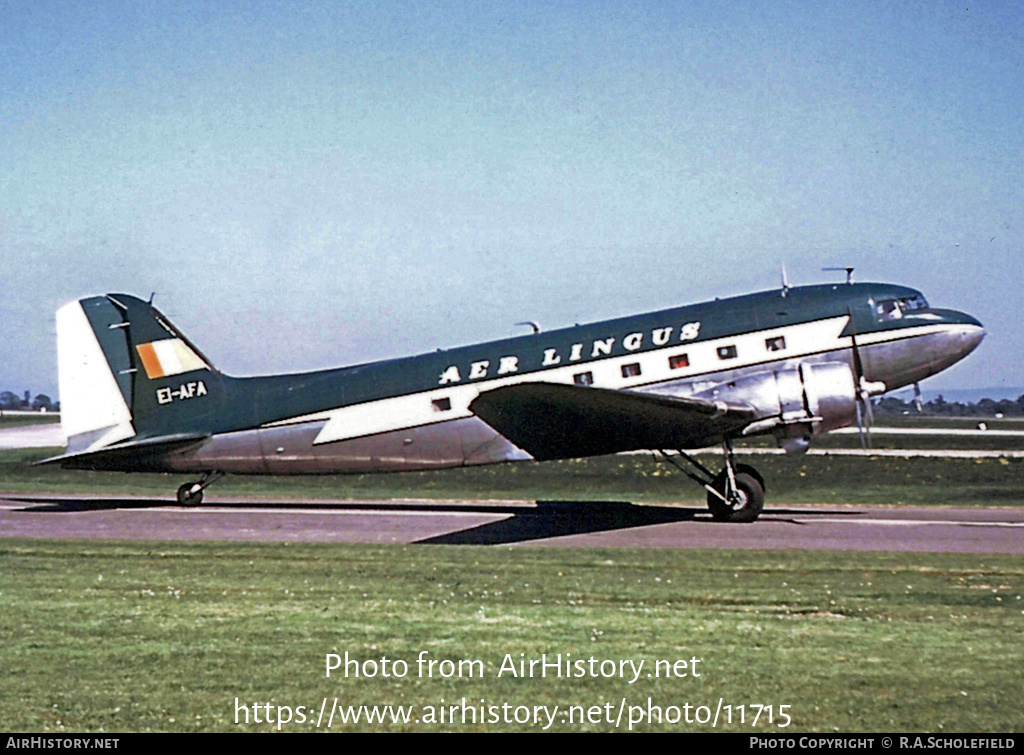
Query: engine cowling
x,y
795,403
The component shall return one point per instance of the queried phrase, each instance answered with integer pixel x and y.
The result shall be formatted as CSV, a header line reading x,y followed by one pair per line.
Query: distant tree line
x,y
890,406
939,407
11,401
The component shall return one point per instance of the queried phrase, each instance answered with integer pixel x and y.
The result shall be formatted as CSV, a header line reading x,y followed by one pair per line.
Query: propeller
x,y
865,389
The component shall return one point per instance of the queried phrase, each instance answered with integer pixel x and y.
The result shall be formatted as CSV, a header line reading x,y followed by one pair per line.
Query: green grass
x,y
164,637
637,478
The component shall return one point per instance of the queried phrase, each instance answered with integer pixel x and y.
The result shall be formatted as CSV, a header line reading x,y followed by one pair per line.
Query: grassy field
x,y
166,637
162,637
637,478
920,442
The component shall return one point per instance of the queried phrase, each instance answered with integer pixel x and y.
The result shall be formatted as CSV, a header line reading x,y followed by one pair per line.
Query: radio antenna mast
x,y
848,270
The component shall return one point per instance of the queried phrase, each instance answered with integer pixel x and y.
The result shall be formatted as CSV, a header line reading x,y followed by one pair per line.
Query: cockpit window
x,y
888,310
913,302
893,309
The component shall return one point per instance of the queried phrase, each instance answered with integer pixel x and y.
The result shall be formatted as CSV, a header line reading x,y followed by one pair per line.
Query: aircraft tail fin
x,y
126,374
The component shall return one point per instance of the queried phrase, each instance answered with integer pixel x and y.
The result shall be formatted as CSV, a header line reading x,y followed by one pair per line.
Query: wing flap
x,y
552,421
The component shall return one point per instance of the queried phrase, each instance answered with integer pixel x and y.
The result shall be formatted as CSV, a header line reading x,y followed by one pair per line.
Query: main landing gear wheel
x,y
736,494
743,503
747,469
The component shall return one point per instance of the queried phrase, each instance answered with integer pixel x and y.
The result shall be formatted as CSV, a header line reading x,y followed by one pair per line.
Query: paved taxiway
x,y
554,523
42,435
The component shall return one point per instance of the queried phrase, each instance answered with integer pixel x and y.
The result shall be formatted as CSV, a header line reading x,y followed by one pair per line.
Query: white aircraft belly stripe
x,y
416,409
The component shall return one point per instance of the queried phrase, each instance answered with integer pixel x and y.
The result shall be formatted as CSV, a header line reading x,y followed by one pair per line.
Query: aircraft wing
x,y
554,421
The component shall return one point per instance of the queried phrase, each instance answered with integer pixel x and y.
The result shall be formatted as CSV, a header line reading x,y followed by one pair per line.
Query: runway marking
x,y
909,522
348,512
23,505
897,452
933,431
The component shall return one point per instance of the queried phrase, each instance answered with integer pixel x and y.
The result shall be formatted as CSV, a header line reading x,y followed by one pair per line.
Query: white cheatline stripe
x,y
418,409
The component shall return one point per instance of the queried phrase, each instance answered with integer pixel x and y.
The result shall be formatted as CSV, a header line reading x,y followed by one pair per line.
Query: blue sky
x,y
308,184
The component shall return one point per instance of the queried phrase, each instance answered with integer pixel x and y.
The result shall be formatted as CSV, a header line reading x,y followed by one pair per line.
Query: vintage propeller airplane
x,y
796,362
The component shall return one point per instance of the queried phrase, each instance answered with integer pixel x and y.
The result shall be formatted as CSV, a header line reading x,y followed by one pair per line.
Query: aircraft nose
x,y
967,319
968,331
973,336
959,335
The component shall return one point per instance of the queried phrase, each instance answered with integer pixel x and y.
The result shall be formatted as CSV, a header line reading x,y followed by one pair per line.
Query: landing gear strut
x,y
736,494
191,493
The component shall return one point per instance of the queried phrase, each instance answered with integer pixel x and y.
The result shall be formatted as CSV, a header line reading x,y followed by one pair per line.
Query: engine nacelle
x,y
795,403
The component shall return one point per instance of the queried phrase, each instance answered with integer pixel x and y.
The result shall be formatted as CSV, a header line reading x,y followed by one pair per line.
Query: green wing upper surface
x,y
553,421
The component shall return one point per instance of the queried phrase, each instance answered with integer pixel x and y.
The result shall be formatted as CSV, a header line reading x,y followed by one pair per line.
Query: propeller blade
x,y
858,364
864,414
860,425
869,416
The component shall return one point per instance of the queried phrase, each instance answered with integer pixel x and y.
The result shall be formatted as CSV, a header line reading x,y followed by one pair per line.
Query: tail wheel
x,y
191,493
744,503
186,496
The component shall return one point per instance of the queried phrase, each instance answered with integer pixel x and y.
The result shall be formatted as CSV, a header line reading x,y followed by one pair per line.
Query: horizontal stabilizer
x,y
552,421
134,455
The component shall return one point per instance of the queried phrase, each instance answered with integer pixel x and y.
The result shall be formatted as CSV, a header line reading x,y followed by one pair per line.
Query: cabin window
x,y
442,404
775,344
630,370
678,361
727,352
583,378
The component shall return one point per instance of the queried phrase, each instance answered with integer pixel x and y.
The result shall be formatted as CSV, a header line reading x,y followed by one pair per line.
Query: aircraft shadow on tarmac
x,y
564,518
547,519
39,505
